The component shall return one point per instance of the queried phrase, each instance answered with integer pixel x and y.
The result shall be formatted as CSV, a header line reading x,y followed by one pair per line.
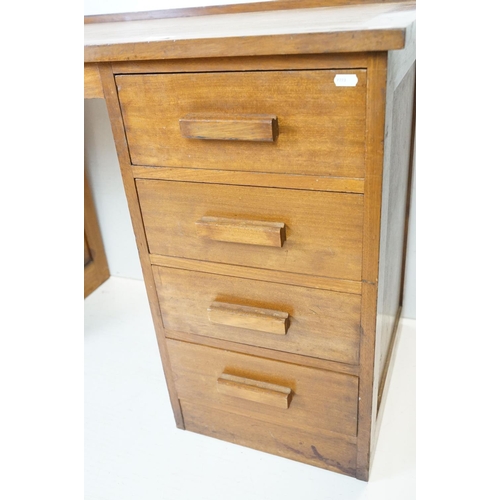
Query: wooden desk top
x,y
340,28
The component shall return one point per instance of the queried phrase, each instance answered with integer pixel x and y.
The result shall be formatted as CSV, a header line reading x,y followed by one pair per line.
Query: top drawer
x,y
320,122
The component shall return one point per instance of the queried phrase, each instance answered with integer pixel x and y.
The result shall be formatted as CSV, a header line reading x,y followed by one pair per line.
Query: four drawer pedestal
x,y
269,201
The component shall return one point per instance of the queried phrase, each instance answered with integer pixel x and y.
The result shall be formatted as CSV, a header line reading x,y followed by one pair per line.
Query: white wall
x,y
104,173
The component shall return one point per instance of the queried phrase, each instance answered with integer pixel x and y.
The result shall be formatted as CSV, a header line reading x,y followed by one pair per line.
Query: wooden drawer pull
x,y
230,127
254,390
269,234
252,318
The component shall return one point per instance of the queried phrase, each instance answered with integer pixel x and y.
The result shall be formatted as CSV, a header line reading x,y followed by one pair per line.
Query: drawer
x,y
308,232
335,453
227,121
315,401
316,323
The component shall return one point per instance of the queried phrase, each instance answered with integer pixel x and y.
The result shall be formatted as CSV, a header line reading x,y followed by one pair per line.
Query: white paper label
x,y
345,80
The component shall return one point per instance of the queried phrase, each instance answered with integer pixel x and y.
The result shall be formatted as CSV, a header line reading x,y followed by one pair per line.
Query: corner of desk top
x,y
223,31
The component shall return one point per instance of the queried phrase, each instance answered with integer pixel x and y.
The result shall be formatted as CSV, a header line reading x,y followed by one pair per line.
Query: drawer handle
x,y
251,318
254,390
250,232
230,127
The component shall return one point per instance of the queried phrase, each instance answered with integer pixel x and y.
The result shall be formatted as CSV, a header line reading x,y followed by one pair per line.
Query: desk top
x,y
340,28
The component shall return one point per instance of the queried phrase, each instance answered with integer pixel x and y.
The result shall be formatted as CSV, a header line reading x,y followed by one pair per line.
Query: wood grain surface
x,y
376,97
272,248
346,28
92,82
321,135
254,390
322,324
229,127
324,230
251,63
267,275
248,317
332,452
249,232
322,402
286,357
257,179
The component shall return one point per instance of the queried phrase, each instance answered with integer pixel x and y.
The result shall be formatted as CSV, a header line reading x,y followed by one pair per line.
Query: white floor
x,y
134,451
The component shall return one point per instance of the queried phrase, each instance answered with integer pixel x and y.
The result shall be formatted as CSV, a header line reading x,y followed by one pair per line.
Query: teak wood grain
x,y
277,62
324,402
322,324
250,318
250,232
332,452
351,28
266,275
323,230
92,82
254,390
286,357
230,127
320,135
377,69
257,179
282,348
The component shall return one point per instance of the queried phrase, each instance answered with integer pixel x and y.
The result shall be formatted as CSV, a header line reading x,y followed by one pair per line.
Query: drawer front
x,y
299,122
308,232
333,453
316,323
292,396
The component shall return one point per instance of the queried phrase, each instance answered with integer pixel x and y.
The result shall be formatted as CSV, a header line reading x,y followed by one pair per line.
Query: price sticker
x,y
345,80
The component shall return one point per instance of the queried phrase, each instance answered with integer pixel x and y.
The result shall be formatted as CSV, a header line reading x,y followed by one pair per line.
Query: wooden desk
x,y
266,161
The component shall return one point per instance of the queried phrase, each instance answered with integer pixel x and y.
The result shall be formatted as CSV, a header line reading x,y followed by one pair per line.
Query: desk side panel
x,y
375,119
398,160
